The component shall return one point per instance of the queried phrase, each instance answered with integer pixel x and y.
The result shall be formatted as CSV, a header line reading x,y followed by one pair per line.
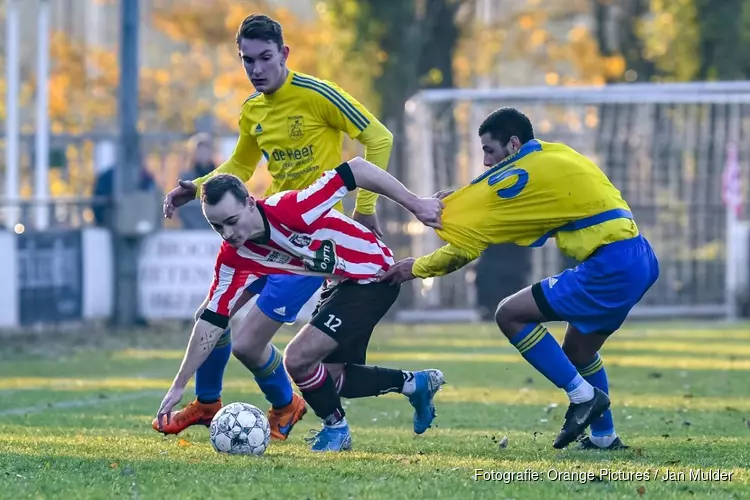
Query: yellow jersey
x,y
545,190
299,130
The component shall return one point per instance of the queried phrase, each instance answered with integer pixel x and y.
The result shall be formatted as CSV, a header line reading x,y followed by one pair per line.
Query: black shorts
x,y
348,312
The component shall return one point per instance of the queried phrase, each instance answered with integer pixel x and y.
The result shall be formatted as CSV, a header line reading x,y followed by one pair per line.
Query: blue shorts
x,y
282,296
598,294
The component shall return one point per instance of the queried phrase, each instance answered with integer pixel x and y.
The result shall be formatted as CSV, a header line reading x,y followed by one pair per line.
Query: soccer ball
x,y
240,429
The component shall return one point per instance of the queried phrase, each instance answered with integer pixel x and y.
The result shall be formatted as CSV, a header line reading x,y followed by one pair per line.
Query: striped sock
x,y
543,352
319,391
274,381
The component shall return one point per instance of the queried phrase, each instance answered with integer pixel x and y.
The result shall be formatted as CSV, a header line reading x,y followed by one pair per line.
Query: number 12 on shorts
x,y
333,322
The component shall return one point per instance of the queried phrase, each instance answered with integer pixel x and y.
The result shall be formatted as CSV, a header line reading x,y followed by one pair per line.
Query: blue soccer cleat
x,y
427,382
331,439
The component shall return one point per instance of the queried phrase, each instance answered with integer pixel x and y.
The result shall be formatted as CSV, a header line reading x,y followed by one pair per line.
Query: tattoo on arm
x,y
205,342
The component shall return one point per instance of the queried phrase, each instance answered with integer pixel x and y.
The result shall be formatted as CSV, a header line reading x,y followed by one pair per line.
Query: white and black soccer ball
x,y
240,429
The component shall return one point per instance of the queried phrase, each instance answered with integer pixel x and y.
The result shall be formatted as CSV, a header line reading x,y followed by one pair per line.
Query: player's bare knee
x,y
249,348
297,364
504,316
248,353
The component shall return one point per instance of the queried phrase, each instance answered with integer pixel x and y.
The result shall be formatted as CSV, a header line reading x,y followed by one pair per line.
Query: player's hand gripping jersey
x,y
298,129
303,236
545,190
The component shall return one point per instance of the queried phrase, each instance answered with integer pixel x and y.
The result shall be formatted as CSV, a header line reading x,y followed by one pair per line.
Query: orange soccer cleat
x,y
283,419
195,413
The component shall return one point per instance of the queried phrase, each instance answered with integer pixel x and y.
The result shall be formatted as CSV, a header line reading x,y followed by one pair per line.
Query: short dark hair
x,y
216,187
504,123
260,27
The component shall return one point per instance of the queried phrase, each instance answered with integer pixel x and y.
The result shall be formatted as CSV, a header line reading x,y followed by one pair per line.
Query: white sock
x,y
583,390
410,384
603,441
338,425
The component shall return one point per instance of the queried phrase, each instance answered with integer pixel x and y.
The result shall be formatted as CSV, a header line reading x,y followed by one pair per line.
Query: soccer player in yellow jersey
x,y
533,191
296,122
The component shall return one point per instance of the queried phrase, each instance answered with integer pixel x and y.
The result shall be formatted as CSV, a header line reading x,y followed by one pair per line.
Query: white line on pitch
x,y
76,403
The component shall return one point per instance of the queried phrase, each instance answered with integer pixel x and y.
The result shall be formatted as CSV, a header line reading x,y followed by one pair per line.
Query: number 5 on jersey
x,y
513,190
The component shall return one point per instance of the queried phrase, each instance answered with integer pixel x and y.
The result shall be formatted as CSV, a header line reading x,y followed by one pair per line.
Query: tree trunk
x,y
720,28
615,27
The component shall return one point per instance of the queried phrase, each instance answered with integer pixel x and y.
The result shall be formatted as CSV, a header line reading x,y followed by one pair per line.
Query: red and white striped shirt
x,y
304,235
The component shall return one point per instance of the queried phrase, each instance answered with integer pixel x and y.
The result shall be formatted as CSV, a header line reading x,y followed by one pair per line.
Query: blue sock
x,y
274,381
595,375
210,374
543,352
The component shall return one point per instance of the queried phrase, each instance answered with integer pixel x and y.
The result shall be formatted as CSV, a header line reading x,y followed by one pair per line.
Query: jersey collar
x,y
282,90
266,226
530,147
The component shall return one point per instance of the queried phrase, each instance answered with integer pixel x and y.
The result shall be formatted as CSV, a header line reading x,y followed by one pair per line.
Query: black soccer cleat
x,y
579,416
587,444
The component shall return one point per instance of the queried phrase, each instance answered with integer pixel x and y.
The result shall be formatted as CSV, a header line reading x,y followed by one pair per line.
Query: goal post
x,y
664,146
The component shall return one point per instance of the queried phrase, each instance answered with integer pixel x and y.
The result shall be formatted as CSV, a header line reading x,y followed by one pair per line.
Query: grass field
x,y
75,414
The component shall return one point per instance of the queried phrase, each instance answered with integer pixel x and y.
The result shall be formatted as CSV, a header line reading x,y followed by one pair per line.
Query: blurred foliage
x,y
677,40
379,50
383,52
538,37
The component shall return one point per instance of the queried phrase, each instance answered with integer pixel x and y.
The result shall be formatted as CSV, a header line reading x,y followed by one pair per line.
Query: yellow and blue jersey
x,y
545,190
299,130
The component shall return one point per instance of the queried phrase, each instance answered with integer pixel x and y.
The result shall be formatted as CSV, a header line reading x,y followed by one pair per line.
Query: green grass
x,y
76,410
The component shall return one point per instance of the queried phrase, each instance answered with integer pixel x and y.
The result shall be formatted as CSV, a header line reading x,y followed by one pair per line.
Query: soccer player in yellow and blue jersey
x,y
534,191
296,122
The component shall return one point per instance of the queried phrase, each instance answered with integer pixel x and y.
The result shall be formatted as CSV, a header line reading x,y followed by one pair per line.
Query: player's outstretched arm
x,y
442,261
378,143
202,341
370,177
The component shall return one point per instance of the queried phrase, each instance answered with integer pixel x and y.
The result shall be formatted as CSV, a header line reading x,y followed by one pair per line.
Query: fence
x,y
58,276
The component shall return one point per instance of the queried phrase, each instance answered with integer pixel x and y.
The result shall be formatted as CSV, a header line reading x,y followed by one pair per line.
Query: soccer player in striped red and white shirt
x,y
297,232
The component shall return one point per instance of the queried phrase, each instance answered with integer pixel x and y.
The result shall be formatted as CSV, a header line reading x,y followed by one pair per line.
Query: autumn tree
x,y
192,71
410,44
676,40
520,42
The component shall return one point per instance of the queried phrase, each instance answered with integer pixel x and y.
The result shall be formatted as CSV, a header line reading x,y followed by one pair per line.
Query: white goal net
x,y
665,146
